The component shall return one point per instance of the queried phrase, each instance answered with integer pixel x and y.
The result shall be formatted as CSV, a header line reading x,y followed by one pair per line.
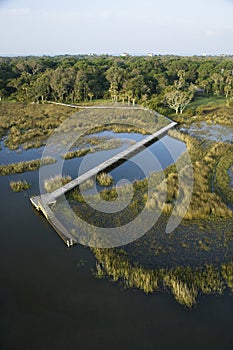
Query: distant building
x,y
150,54
125,54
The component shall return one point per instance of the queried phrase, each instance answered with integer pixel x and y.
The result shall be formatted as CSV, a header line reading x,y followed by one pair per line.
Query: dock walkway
x,y
44,201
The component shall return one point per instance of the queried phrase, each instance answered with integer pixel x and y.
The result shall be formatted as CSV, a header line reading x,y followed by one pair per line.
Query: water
x,y
51,300
210,132
161,151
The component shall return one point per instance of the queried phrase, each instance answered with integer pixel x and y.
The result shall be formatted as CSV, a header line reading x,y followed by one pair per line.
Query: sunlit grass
x,y
56,182
30,125
184,282
104,179
21,167
18,186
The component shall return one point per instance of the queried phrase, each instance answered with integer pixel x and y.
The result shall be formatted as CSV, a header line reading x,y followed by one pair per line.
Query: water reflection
x,y
211,132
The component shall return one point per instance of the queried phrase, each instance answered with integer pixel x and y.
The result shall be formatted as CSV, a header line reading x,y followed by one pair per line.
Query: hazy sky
x,y
81,26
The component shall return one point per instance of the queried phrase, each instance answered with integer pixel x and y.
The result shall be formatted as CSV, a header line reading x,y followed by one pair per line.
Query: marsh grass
x,y
227,272
56,182
223,179
185,282
22,167
30,125
104,179
18,186
205,203
184,294
76,153
86,185
99,146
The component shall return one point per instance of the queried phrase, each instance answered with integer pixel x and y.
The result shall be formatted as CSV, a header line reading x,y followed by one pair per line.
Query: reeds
x,y
185,282
18,186
30,125
76,154
22,167
104,179
89,183
56,182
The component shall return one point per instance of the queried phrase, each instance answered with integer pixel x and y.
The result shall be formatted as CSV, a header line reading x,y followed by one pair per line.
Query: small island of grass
x,y
104,179
18,186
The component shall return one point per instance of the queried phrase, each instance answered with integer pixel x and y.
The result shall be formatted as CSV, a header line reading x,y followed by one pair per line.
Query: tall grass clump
x,y
56,182
183,293
76,154
104,179
18,186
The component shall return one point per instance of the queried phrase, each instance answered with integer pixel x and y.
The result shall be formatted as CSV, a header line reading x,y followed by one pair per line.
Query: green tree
x,y
178,100
115,75
179,96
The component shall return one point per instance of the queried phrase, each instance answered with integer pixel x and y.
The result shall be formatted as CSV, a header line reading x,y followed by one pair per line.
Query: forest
x,y
165,83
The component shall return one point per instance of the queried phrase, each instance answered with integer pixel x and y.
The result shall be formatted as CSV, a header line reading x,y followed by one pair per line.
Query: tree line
x,y
157,81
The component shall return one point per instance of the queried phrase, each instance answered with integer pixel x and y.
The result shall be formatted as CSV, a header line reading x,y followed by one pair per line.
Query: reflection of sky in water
x,y
13,156
161,151
212,132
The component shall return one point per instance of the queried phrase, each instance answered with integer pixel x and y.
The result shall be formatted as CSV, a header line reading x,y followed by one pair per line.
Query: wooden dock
x,y
44,201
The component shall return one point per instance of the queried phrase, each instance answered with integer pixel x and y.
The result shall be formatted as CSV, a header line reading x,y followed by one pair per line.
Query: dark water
x,y
51,299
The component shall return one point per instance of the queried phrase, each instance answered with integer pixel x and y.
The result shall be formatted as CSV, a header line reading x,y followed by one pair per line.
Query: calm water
x,y
50,298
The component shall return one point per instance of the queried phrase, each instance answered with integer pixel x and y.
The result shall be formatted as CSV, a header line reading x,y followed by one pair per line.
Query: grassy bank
x,y
212,110
222,181
29,125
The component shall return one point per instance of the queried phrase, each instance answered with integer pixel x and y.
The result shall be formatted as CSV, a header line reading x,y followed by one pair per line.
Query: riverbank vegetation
x,y
56,182
22,167
186,283
18,186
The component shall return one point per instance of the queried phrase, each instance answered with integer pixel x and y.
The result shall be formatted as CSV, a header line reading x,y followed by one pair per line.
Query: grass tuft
x,y
18,186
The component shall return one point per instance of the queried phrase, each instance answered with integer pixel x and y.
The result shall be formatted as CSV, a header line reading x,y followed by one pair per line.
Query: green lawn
x,y
207,101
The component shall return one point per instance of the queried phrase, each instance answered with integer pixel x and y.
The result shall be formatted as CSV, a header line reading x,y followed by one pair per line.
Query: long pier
x,y
44,201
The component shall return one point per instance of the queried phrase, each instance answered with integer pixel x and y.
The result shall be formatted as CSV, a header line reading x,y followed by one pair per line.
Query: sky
x,y
51,27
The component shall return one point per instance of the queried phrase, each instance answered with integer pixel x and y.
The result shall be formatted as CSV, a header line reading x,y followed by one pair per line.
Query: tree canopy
x,y
154,81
